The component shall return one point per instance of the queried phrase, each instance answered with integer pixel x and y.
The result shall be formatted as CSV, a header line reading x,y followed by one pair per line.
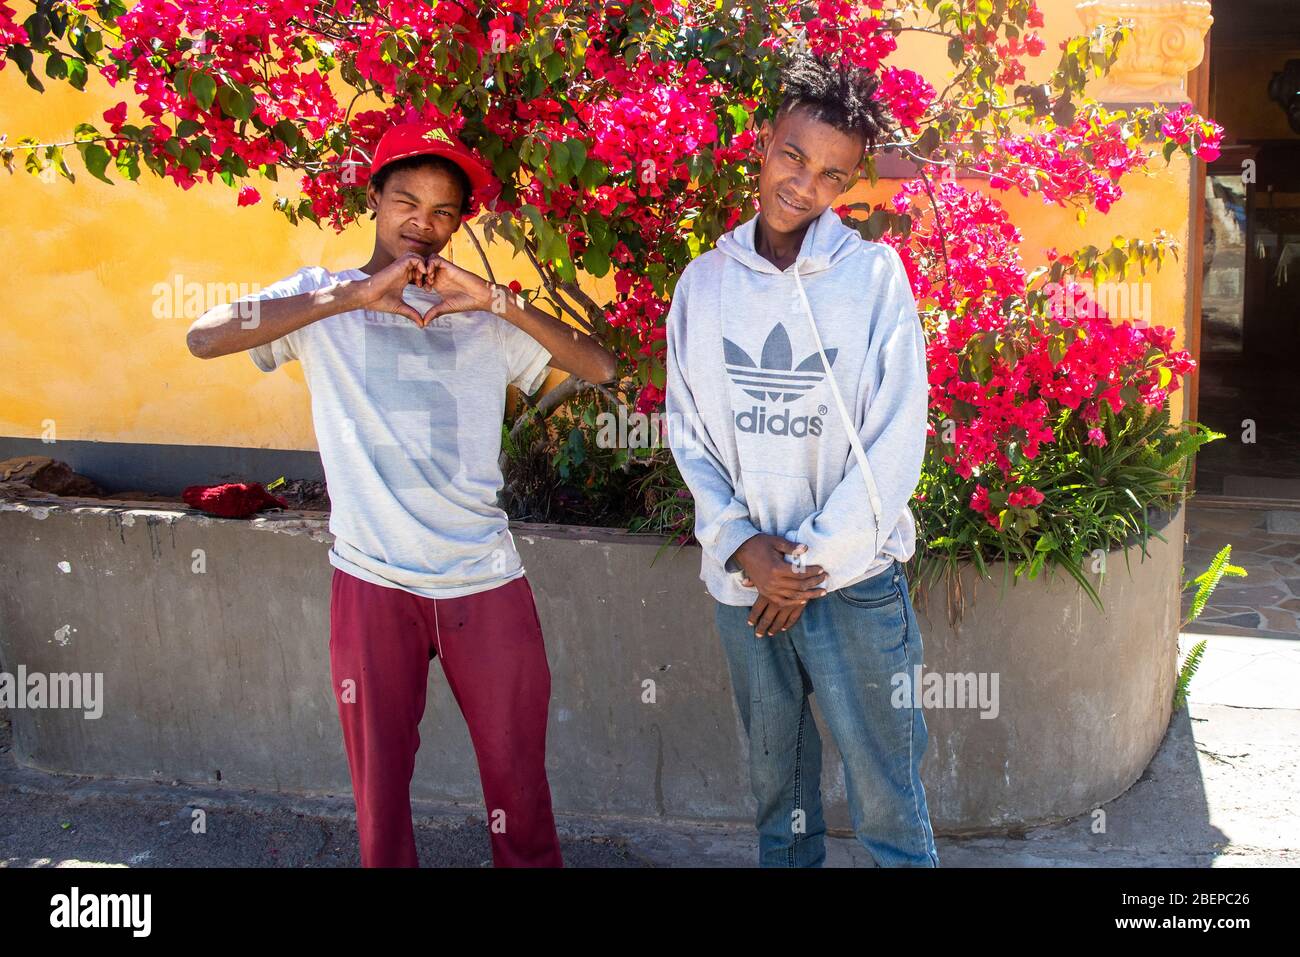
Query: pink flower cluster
x,y
1185,127
907,95
1000,375
1025,496
10,32
1080,162
663,115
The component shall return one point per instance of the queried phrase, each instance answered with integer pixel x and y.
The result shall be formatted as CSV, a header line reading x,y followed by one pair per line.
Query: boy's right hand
x,y
762,558
383,291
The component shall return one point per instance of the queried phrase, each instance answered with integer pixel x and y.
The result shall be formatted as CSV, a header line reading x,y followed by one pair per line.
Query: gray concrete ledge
x,y
220,678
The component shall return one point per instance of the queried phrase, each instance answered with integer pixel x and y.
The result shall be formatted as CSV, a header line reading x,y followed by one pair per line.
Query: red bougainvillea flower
x,y
1025,497
11,33
1074,358
1183,126
649,399
907,95
979,501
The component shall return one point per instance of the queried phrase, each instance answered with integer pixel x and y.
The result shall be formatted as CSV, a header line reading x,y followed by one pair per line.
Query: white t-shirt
x,y
408,422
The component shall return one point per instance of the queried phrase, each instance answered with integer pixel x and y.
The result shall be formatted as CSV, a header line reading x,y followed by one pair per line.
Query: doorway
x,y
1249,324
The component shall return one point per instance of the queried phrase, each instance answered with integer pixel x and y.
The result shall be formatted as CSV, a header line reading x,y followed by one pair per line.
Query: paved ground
x,y
1266,603
1220,792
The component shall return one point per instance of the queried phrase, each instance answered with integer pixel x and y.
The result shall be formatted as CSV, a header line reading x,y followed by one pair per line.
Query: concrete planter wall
x,y
223,674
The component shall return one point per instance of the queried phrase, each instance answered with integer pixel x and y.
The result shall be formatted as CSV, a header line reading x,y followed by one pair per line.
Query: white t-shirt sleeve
x,y
271,355
527,360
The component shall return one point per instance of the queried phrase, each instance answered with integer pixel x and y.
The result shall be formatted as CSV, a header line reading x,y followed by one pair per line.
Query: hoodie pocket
x,y
778,503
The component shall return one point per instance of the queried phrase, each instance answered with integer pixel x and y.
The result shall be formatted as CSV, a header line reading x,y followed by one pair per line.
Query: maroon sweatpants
x,y
490,644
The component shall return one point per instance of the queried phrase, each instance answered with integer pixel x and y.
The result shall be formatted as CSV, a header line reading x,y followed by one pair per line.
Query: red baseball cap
x,y
428,139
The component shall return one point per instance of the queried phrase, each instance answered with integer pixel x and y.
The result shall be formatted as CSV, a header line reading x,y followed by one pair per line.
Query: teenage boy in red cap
x,y
408,359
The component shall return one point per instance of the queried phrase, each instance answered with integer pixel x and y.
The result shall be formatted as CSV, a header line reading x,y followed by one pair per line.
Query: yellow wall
x,y
80,344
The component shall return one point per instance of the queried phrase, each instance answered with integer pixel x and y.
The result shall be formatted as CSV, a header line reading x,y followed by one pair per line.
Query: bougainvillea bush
x,y
624,135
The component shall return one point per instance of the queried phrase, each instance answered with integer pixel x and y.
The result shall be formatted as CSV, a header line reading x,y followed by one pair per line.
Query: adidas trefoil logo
x,y
775,376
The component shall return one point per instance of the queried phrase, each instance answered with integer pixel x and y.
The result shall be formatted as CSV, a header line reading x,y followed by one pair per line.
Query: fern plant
x,y
1205,584
1190,664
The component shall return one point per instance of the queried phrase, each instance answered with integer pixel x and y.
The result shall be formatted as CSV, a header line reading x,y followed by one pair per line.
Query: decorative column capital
x,y
1167,43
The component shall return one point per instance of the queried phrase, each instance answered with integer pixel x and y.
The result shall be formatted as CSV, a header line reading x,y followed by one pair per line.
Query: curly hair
x,y
837,94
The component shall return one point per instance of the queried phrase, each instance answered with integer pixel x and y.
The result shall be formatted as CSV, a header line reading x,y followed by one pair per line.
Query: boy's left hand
x,y
770,617
461,290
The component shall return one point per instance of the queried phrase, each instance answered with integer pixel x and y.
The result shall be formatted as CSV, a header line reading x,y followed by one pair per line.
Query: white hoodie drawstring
x,y
854,440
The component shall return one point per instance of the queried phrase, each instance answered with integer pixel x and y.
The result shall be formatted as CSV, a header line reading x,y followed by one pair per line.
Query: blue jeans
x,y
847,647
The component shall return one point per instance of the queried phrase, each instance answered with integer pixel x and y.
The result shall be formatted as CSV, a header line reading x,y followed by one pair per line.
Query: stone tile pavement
x,y
1266,603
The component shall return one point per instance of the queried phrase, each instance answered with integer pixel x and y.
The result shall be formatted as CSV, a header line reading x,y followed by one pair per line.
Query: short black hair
x,y
458,175
835,93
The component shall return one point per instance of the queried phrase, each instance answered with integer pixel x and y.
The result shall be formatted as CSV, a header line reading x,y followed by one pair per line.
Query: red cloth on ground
x,y
232,500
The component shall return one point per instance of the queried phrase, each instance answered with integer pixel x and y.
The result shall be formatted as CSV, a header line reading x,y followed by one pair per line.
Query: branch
x,y
594,312
555,294
938,222
481,255
562,393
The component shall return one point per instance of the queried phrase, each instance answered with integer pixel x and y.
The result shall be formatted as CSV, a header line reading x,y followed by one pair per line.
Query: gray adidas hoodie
x,y
754,424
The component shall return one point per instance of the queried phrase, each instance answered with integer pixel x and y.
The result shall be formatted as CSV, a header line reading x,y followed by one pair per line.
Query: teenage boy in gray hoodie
x,y
803,530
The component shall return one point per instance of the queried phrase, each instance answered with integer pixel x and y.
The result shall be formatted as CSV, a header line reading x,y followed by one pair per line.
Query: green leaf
x,y
128,165
203,88
96,159
287,133
77,74
739,116
593,174
564,267
596,261
56,67
577,154
234,163
22,56
237,101
560,166
36,26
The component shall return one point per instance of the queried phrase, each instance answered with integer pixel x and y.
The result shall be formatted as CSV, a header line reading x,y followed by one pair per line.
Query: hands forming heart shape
x,y
460,289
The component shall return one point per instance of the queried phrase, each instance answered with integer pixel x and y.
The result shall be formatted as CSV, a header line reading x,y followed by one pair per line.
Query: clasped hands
x,y
784,589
